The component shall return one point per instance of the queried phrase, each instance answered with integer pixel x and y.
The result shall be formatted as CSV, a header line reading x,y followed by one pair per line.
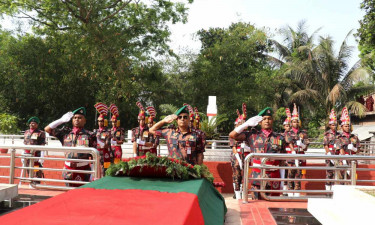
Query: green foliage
x,y
174,168
8,124
366,34
210,127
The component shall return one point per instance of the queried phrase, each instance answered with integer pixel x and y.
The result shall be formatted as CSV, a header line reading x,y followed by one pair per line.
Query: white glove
x,y
140,142
300,144
100,143
41,161
351,147
238,159
242,145
252,122
64,119
134,154
296,162
246,147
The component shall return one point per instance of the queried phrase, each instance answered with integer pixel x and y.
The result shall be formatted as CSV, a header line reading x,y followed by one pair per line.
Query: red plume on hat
x,y
151,111
345,119
288,117
142,112
295,114
241,117
332,117
114,110
102,109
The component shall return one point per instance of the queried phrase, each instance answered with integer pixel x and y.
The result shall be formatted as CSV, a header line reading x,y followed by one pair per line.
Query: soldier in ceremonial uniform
x,y
143,140
103,137
329,146
183,142
263,141
76,137
117,134
34,136
287,128
239,152
298,145
347,143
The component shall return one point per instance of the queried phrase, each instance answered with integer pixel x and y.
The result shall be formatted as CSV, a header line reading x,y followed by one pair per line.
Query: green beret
x,y
183,109
33,119
266,112
80,110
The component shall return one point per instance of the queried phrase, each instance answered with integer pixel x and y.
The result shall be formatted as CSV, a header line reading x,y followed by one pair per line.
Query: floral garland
x,y
174,168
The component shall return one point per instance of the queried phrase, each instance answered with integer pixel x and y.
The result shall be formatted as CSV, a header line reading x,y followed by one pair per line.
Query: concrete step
x,y
349,205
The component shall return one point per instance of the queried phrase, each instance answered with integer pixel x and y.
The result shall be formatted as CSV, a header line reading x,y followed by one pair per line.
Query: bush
x,y
8,124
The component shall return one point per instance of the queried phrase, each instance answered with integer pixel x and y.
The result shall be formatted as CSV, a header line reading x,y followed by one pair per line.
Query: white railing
x,y
352,169
95,171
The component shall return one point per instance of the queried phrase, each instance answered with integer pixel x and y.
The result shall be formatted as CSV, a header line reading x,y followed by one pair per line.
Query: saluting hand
x,y
170,118
253,121
66,117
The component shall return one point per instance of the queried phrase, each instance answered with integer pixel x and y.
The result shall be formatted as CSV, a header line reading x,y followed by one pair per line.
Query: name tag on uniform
x,y
34,136
188,150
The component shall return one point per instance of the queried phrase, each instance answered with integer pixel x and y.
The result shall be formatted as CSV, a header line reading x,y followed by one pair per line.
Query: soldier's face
x,y
295,123
287,127
183,120
346,128
266,123
113,123
141,122
101,123
33,125
78,120
332,126
150,125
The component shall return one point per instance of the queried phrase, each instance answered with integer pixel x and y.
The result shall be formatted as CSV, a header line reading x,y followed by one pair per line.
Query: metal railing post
x,y
354,173
12,163
245,188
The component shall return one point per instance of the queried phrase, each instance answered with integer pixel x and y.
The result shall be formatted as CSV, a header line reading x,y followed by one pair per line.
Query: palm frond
x,y
167,109
356,108
337,92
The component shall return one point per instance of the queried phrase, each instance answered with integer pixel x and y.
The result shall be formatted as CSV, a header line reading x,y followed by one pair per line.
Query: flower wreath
x,y
151,165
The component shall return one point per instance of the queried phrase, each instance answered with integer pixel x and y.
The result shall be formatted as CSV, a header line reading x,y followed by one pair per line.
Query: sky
x,y
335,17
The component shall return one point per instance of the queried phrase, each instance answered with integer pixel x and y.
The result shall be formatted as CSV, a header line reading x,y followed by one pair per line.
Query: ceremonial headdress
x,y
142,112
152,114
345,119
197,118
114,110
33,119
81,110
241,117
288,117
191,112
332,117
295,114
103,112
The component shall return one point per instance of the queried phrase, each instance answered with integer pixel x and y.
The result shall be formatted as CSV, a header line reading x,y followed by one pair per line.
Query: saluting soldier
x,y
329,140
34,136
76,137
182,142
239,152
141,137
117,134
347,143
263,141
298,145
103,137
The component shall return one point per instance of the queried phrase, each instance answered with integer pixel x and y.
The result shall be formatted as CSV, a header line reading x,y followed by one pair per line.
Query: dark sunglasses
x,y
180,117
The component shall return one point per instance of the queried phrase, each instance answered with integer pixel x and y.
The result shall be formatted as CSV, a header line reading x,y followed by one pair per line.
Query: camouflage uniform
x,y
103,145
82,138
237,174
146,136
260,142
342,142
117,135
183,146
329,141
36,137
297,174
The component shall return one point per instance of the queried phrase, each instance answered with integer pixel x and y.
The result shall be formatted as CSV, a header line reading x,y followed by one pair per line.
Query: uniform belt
x,y
74,164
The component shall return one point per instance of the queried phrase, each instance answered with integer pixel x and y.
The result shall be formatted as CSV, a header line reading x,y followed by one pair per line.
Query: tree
x,y
366,34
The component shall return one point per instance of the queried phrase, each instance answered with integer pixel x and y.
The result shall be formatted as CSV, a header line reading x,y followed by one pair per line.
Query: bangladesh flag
x,y
128,200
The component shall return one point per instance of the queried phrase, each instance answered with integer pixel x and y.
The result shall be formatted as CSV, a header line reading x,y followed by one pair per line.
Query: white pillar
x,y
212,113
129,136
